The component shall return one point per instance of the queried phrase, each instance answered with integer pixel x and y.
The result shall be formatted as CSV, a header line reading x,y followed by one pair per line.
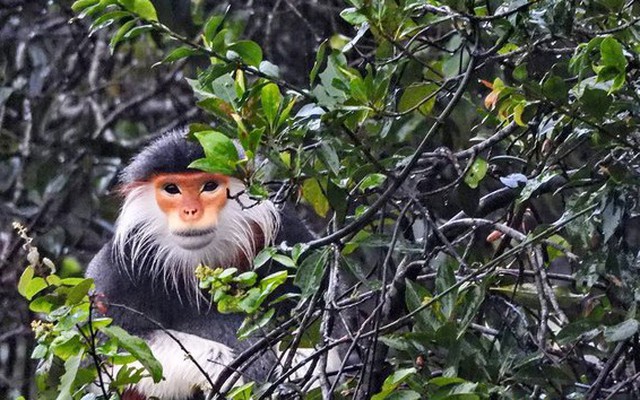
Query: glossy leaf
x,y
271,99
143,8
119,35
71,366
421,97
313,193
221,155
310,272
138,348
476,173
80,5
248,51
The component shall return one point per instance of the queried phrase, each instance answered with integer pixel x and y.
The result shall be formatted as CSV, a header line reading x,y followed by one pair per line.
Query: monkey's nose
x,y
190,213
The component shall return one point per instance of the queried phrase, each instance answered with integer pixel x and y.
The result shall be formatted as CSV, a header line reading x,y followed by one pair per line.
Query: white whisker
x,y
145,248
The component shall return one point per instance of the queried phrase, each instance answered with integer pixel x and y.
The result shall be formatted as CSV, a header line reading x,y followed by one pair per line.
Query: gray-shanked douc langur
x,y
173,219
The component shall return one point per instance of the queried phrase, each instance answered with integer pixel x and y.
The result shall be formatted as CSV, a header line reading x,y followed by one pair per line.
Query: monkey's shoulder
x,y
105,272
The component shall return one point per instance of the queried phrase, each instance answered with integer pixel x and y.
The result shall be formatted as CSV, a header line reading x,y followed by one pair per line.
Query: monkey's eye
x,y
210,186
171,188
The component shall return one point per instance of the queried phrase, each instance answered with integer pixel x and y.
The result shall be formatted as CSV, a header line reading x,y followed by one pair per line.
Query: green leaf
x,y
613,5
240,86
312,192
252,324
271,99
476,173
67,345
338,41
218,107
107,19
298,250
322,49
71,281
213,166
221,155
275,279
614,64
225,88
127,375
242,392
212,26
595,102
398,377
445,278
246,279
177,54
220,41
227,274
138,348
611,54
44,304
25,279
264,256
137,31
446,380
358,90
353,16
310,272
35,286
39,352
93,10
520,73
284,115
216,144
393,381
82,4
622,331
404,395
284,260
249,52
144,8
329,157
78,292
119,35
420,96
474,297
371,181
66,389
535,183
251,141
415,295
554,252
555,88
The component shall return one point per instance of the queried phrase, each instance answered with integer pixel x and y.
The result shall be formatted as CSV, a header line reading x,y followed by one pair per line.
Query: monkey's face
x,y
192,203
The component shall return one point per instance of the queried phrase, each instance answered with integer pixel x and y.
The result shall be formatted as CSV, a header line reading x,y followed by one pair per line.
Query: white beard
x,y
144,245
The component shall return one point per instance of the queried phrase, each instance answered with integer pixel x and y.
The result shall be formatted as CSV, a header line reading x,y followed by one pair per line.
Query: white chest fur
x,y
181,374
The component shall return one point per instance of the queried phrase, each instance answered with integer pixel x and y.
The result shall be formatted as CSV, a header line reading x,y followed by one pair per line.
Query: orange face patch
x,y
191,200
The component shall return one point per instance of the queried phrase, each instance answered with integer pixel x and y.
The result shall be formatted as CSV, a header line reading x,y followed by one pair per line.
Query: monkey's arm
x,y
118,287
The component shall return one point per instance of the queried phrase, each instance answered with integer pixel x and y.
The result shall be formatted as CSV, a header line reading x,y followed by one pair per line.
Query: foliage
x,y
69,333
475,165
233,292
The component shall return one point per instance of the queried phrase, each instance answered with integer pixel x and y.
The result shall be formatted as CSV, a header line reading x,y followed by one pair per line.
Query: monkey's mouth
x,y
194,239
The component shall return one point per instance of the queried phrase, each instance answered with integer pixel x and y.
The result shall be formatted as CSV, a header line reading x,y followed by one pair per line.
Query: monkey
x,y
174,218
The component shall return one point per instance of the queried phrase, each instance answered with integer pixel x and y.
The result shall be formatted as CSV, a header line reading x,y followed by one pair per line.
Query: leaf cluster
x,y
474,168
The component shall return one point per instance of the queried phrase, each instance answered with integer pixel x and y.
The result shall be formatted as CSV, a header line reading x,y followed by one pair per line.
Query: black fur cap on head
x,y
170,153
